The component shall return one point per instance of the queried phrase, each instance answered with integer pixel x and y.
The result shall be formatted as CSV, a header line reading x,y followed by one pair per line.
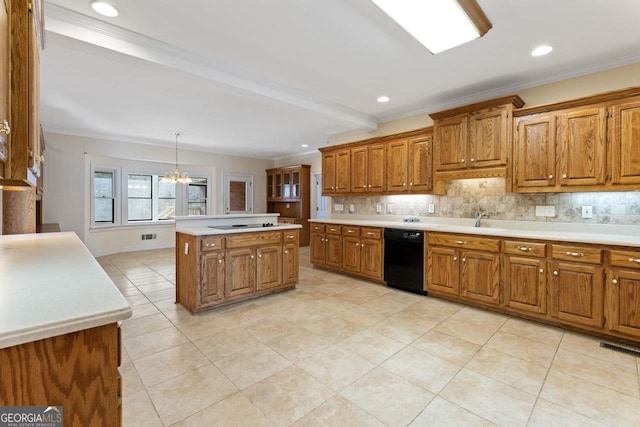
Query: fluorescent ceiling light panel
x,y
438,24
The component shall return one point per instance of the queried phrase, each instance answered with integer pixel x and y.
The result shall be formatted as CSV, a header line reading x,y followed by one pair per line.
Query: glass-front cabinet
x,y
283,184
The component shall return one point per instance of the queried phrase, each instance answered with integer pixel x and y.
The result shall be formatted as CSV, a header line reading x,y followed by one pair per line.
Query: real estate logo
x,y
31,416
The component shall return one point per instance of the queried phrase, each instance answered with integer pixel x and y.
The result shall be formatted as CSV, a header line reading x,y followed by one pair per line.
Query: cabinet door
x,y
577,293
343,171
420,164
625,142
450,143
295,184
397,166
359,169
317,248
328,173
278,186
269,267
290,264
535,152
581,146
624,301
212,280
5,84
377,168
351,254
371,254
240,272
525,284
286,185
270,181
488,138
333,250
480,278
443,270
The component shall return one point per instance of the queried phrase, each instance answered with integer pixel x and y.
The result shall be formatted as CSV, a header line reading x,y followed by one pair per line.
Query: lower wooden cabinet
x,y
351,249
577,293
525,276
623,292
443,271
234,267
480,277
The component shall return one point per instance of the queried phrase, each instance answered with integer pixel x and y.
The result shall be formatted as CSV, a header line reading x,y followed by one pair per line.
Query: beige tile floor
x,y
338,351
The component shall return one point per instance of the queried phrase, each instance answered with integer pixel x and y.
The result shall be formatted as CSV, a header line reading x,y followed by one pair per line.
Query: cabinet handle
x,y
634,260
211,245
291,237
576,254
260,256
461,160
614,281
411,184
357,244
550,176
564,176
369,185
472,159
4,127
542,270
350,231
252,257
404,184
371,234
455,258
332,229
464,260
461,242
286,252
522,248
555,273
219,261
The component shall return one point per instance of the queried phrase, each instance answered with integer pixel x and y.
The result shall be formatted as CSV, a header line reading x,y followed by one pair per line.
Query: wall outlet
x,y
587,212
546,211
389,209
378,208
338,207
431,208
288,205
352,208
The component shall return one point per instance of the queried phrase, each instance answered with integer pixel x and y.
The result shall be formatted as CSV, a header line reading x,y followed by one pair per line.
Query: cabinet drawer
x,y
211,244
333,229
253,239
629,259
464,242
350,230
525,248
371,233
290,236
317,228
577,253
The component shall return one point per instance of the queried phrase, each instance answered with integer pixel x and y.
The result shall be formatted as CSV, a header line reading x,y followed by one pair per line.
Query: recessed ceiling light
x,y
382,99
104,8
304,145
541,50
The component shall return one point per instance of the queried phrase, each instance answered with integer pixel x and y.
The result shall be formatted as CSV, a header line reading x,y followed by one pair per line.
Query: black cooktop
x,y
241,226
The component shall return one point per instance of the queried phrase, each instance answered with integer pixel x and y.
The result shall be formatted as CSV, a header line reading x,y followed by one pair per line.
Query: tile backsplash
x,y
464,197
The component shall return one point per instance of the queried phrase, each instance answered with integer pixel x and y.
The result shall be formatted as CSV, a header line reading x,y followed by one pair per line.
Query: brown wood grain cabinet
x,y
289,194
368,168
398,166
326,245
234,267
525,276
623,292
587,144
474,141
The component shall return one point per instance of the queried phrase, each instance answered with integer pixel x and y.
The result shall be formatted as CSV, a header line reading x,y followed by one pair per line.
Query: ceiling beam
x,y
81,27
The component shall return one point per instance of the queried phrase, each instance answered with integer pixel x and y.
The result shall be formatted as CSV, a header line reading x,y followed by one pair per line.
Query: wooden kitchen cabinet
x,y
336,172
420,164
474,263
576,285
289,194
623,292
234,267
588,144
326,245
525,276
368,168
398,166
363,251
474,141
625,142
328,173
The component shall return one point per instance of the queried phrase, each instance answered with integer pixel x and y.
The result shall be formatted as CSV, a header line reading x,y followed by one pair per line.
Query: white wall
x,y
67,186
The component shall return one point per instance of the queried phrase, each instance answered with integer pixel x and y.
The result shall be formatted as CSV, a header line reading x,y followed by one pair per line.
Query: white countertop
x,y
605,234
51,285
208,231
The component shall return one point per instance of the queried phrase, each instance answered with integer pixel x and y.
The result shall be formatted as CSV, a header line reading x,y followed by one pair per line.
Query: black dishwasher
x,y
404,259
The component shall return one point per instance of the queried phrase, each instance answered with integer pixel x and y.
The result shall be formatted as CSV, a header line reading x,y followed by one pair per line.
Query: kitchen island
x,y
59,333
226,259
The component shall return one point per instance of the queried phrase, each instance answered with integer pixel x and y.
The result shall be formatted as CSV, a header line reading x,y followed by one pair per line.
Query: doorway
x,y
238,194
322,203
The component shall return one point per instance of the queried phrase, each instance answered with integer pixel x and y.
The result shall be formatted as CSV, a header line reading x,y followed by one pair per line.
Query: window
x,y
121,197
197,197
104,200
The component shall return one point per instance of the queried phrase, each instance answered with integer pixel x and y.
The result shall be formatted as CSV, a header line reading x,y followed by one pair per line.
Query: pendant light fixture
x,y
176,176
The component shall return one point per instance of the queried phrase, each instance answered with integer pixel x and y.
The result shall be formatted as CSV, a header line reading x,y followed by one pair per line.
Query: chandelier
x,y
176,176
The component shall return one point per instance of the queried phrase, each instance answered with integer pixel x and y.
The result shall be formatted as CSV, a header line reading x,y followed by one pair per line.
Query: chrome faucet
x,y
478,217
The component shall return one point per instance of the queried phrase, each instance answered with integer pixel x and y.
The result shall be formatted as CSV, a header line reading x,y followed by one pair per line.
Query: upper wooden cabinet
x,y
588,144
394,164
26,26
289,194
474,141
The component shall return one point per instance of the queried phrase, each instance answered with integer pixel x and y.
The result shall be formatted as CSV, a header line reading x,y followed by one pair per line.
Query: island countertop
x,y
51,285
212,231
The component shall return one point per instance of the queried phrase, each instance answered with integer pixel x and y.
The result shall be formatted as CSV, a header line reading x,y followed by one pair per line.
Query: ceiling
x,y
259,78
